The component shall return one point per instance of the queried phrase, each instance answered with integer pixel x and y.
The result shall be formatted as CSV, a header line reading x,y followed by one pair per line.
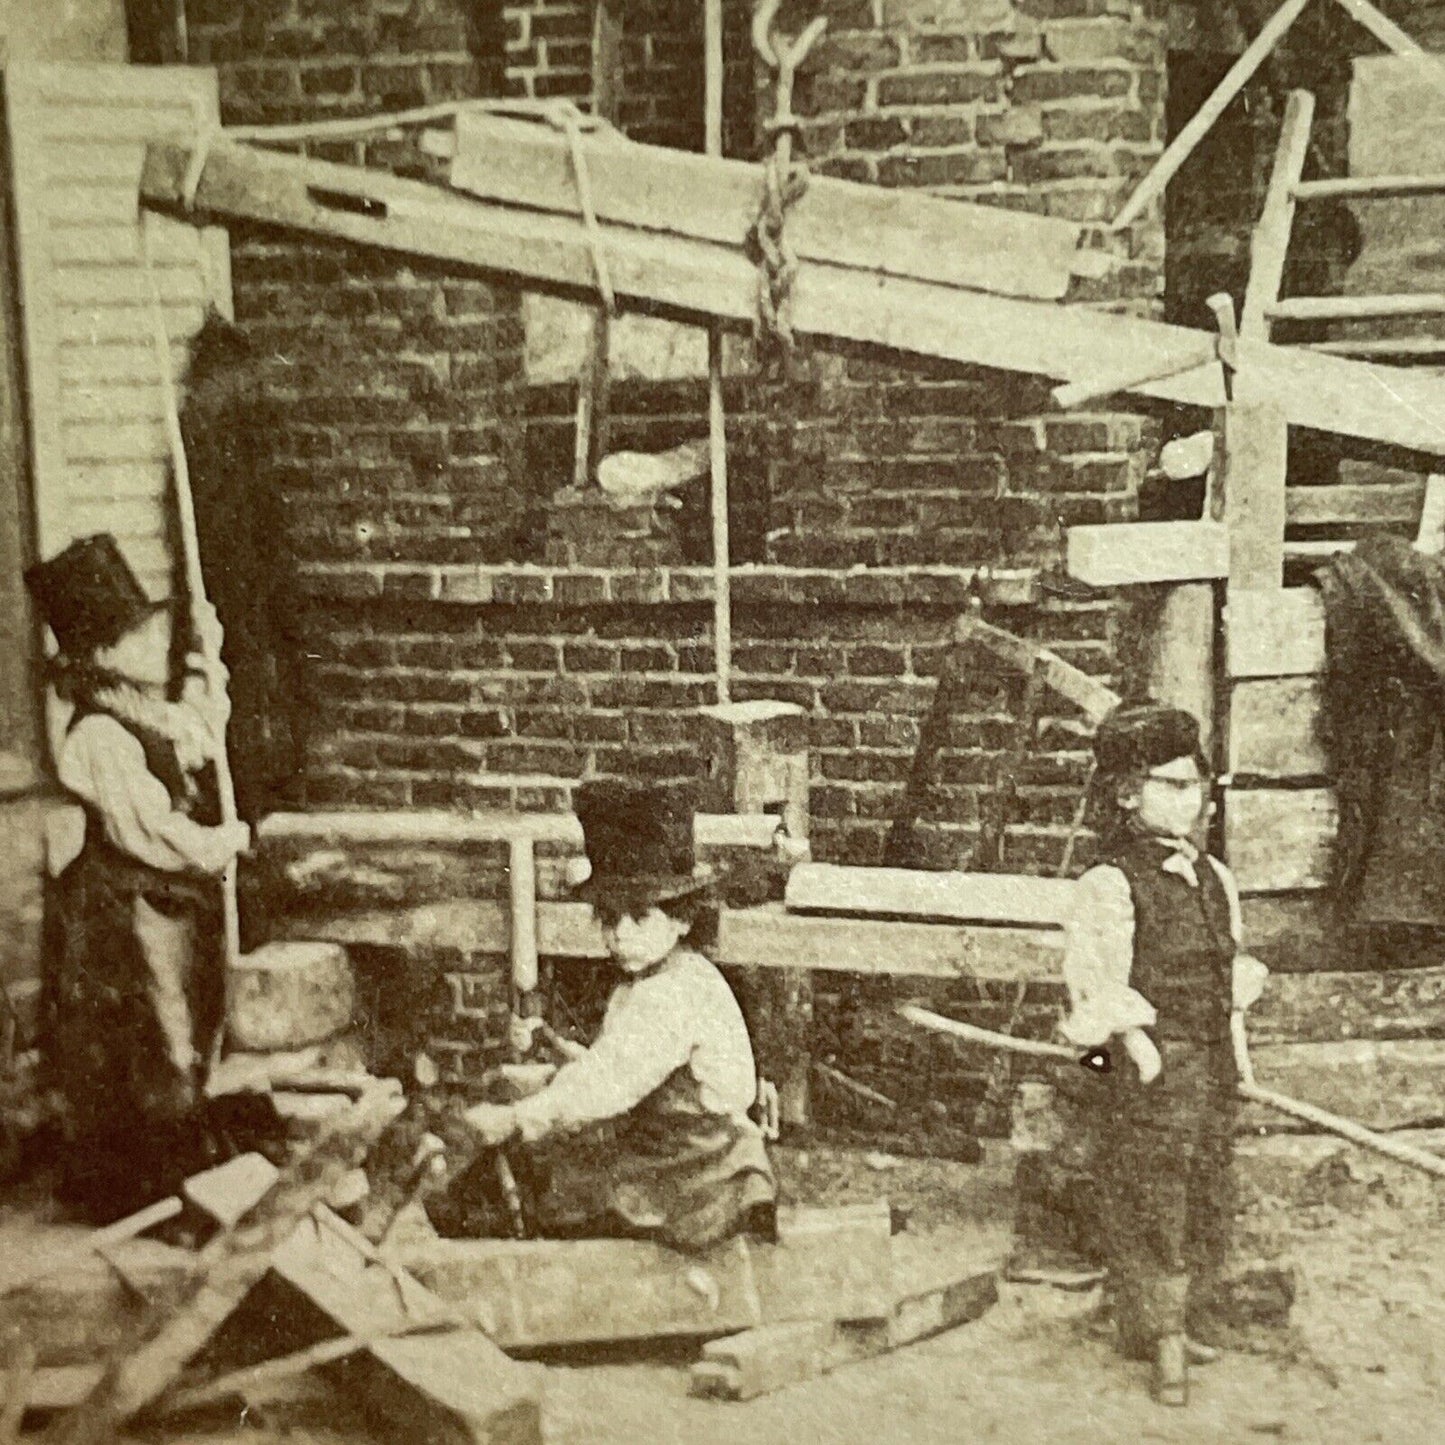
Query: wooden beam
x,y
1278,840
1269,245
1202,122
833,1264
658,188
757,1362
454,1386
1273,729
1386,503
1275,634
843,891
1366,188
443,828
1358,308
769,937
1087,693
1380,26
761,937
1399,1003
1129,554
538,1293
1256,454
697,280
1181,652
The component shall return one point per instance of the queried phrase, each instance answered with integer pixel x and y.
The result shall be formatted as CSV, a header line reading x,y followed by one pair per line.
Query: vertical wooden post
x,y
522,896
1256,444
758,761
716,418
594,385
1180,662
1269,245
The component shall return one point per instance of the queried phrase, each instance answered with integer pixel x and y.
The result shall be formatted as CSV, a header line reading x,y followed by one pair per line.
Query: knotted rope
x,y
784,184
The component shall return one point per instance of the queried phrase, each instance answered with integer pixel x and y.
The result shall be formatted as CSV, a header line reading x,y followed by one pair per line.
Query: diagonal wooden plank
x,y
1269,246
899,233
699,280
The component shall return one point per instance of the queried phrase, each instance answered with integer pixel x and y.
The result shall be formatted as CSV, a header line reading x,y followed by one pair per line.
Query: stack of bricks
x,y
396,381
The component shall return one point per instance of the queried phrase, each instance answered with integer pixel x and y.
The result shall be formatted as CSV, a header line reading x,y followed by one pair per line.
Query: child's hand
x,y
1248,982
1140,1047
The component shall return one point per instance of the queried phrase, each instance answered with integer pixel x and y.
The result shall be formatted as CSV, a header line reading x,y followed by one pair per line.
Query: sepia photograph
x,y
722,722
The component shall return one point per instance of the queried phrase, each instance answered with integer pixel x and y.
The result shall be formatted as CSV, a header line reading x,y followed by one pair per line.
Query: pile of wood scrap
x,y
119,1325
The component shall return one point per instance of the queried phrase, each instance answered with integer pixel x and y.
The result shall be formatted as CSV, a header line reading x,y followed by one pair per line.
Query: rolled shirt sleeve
x,y
1098,959
104,765
644,1038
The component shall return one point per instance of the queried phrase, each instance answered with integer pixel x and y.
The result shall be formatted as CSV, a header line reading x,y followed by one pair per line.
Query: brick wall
x,y
441,680
1051,106
395,380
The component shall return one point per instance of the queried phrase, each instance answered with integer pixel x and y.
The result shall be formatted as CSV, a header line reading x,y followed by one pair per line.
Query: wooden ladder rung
x,y
1369,188
1380,504
1357,308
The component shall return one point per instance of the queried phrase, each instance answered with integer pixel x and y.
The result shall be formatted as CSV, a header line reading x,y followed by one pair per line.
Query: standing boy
x,y
1153,963
648,1131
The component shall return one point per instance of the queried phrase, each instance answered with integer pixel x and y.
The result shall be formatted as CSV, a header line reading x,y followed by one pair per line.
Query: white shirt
x,y
683,1015
103,763
1099,949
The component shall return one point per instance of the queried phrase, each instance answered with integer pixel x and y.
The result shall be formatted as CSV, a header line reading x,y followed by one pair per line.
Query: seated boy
x,y
648,1131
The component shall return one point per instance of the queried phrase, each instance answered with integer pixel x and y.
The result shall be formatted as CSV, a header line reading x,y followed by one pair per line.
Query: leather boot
x,y
1171,1370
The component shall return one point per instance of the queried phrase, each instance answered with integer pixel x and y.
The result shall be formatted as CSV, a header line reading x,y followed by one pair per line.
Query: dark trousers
x,y
1164,1162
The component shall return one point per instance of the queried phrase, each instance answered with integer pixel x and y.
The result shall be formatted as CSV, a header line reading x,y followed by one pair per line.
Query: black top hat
x,y
1140,736
89,595
640,845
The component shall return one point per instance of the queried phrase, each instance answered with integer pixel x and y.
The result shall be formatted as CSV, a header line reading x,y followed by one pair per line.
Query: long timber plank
x,y
898,233
841,891
762,937
706,281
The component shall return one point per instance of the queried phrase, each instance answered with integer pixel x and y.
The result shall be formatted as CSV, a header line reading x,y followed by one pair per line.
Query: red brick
x,y
942,87
1038,84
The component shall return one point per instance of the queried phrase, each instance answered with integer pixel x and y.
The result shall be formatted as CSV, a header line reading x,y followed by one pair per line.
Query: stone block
x,y
289,994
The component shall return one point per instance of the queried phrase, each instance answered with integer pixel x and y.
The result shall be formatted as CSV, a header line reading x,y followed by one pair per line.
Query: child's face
x,y
1167,800
637,943
144,653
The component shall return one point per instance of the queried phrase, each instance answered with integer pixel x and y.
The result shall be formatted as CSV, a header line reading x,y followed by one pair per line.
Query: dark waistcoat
x,y
1183,948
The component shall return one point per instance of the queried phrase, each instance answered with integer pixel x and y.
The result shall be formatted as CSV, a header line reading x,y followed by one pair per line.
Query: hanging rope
x,y
784,184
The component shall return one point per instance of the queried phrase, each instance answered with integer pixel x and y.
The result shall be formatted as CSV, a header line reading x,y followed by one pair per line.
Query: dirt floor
x,y
1363,1360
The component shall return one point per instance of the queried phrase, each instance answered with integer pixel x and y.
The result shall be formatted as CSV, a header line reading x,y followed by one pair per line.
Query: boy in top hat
x,y
135,981
1153,963
651,1124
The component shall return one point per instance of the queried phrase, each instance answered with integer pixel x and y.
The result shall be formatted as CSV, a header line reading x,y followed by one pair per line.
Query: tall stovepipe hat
x,y
639,843
89,596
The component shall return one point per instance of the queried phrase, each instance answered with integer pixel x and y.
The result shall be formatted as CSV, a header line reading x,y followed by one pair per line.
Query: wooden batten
x,y
1275,634
1129,554
767,936
762,937
705,280
841,891
1387,504
658,188
1278,840
1274,729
